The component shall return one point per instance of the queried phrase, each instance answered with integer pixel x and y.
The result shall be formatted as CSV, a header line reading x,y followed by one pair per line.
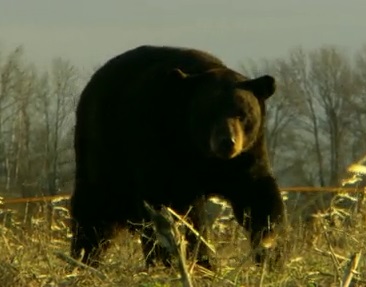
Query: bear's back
x,y
147,63
142,57
145,66
138,75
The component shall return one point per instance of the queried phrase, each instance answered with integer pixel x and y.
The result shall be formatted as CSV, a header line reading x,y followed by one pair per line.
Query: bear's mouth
x,y
226,154
226,148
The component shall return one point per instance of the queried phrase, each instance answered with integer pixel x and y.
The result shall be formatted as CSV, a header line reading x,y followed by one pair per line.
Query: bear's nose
x,y
227,144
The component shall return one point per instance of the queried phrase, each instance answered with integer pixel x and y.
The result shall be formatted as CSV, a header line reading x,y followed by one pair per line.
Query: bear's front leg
x,y
264,209
197,217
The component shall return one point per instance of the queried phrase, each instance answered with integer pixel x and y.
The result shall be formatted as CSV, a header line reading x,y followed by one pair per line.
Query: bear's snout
x,y
227,139
226,148
227,145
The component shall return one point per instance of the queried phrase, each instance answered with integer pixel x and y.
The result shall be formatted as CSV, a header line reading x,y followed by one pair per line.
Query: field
x,y
315,129
35,248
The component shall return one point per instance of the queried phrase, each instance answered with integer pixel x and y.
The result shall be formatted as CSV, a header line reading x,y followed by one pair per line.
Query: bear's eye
x,y
248,126
240,116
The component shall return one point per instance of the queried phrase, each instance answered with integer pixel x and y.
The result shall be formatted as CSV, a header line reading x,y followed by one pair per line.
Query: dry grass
x,y
318,255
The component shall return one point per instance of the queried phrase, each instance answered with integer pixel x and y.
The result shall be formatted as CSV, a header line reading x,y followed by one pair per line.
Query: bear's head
x,y
226,111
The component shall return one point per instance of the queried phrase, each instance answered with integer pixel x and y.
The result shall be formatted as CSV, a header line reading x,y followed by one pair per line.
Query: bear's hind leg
x,y
93,238
152,250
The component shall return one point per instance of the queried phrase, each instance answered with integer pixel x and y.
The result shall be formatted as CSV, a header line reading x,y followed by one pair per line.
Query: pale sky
x,y
88,32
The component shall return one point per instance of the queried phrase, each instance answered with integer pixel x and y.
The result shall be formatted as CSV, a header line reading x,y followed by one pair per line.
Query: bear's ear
x,y
177,74
262,87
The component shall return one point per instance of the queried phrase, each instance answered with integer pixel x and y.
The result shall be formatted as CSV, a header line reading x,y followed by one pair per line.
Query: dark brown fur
x,y
168,126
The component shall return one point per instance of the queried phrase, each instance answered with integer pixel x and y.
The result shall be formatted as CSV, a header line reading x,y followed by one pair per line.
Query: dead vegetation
x,y
326,248
321,252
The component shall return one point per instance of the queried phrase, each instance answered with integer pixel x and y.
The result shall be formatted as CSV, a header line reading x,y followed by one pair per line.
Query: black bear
x,y
170,126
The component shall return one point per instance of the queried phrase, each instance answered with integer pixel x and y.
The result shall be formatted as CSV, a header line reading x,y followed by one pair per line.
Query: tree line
x,y
316,123
317,119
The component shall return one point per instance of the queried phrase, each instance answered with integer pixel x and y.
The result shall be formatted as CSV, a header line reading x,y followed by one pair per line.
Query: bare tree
x,y
56,100
327,84
334,83
21,131
16,85
358,107
308,118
